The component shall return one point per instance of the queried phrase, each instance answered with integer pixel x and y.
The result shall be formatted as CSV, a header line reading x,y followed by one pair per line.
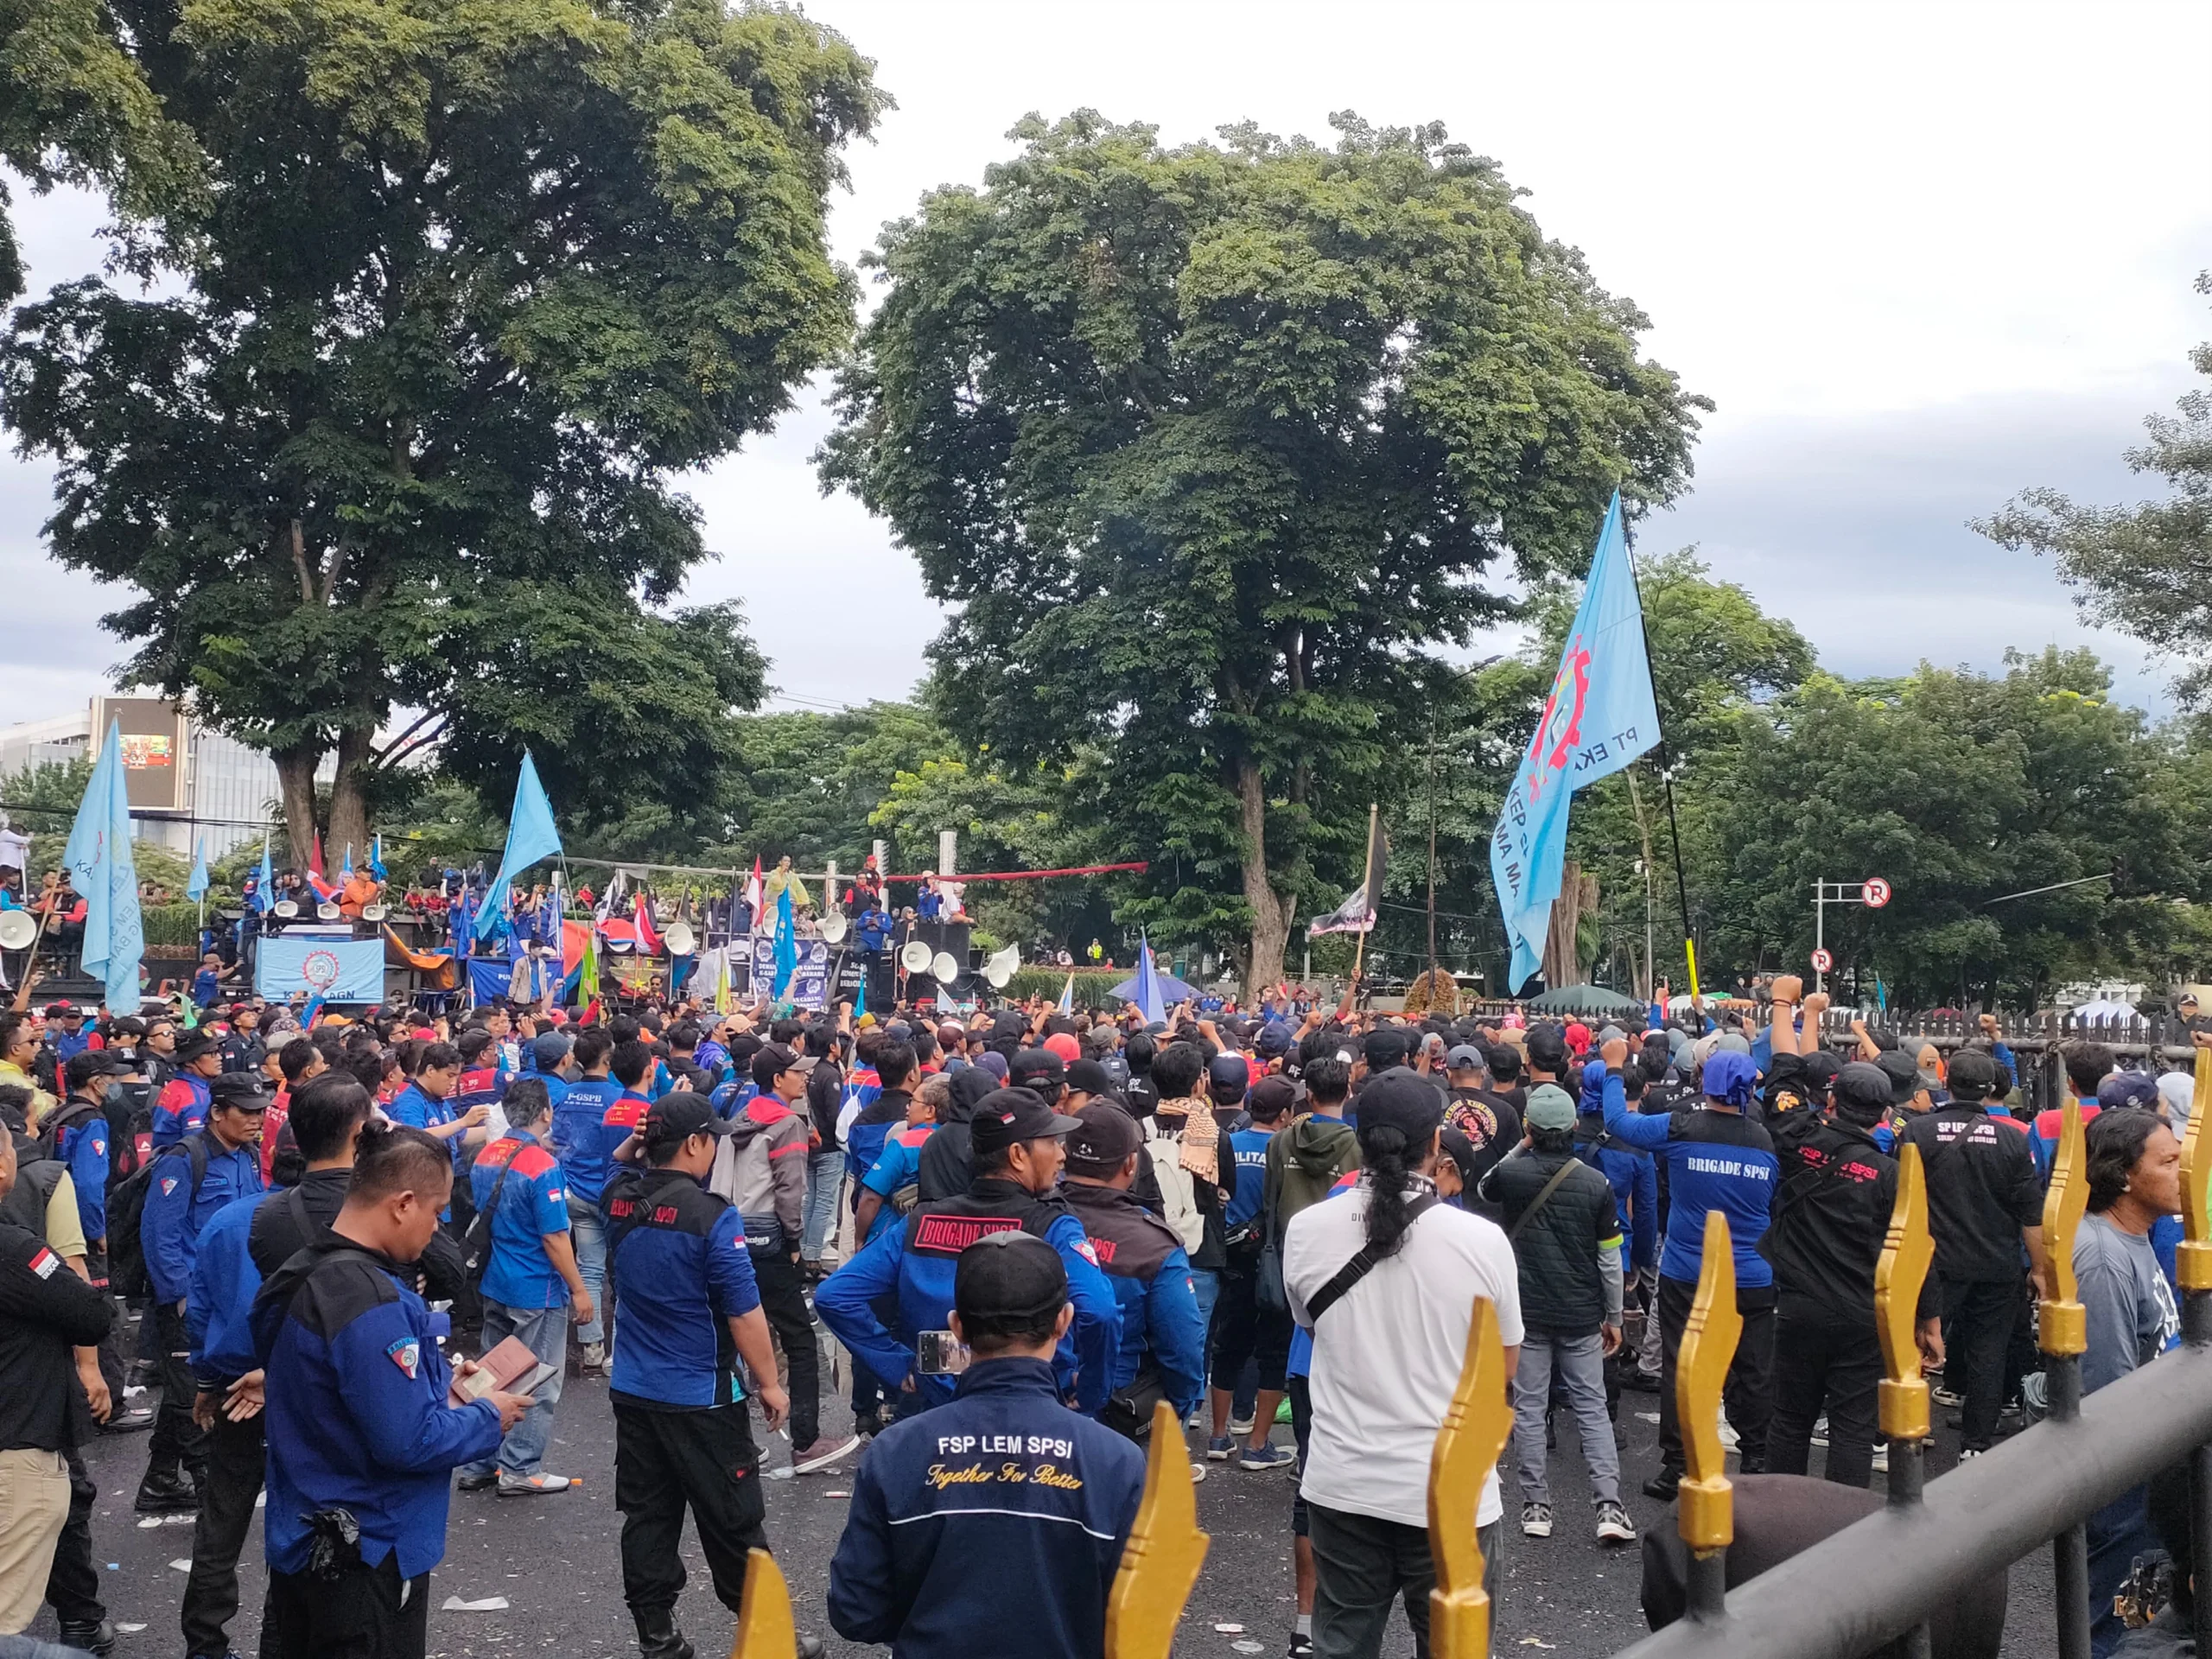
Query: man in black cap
x,y
182,1107
994,1527
1016,1138
1830,1217
1040,1071
1163,1347
1984,1202
688,1309
1491,1122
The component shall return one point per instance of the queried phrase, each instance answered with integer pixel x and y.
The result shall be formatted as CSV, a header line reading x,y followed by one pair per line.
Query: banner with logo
x,y
336,971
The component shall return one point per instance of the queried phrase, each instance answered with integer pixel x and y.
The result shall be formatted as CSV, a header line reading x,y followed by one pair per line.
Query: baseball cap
x,y
1466,1058
1504,1063
2128,1088
1226,1071
1404,1101
679,1116
1090,1077
1006,1116
1550,1107
1272,1097
1007,1276
1548,1048
1063,1044
550,1050
64,1009
992,1061
1274,1040
1903,1072
1864,1085
1460,1151
1036,1066
1973,1074
92,1063
244,1090
1105,1136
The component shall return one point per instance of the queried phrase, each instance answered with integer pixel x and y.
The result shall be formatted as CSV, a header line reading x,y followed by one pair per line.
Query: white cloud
x,y
1922,254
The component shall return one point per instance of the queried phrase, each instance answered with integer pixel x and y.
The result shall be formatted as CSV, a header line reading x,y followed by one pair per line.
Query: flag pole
x,y
1367,880
1666,767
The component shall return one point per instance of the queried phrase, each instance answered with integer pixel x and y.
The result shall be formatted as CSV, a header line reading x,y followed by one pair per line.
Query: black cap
x,y
244,1090
1006,1116
1036,1066
190,1048
1904,1073
92,1063
1009,1275
1405,1101
1972,1074
1107,1136
1090,1077
1863,1087
678,1115
1228,1071
1272,1097
1548,1048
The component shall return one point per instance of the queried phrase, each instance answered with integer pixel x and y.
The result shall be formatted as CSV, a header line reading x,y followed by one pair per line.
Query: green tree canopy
x,y
1212,448
2140,570
470,285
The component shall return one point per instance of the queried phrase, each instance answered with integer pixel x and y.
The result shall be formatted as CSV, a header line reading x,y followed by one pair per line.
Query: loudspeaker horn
x,y
285,908
1000,969
943,968
17,930
681,942
914,957
834,926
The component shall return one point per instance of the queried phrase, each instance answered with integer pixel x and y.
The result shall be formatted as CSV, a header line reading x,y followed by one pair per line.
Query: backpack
x,y
126,1208
476,1243
71,1115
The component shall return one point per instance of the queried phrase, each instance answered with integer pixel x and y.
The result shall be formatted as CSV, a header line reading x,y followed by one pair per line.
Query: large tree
x,y
2141,569
471,284
1213,448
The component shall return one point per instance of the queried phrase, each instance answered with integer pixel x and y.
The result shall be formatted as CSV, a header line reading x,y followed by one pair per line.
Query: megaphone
x,y
834,926
999,970
374,913
17,930
327,912
681,942
914,957
285,908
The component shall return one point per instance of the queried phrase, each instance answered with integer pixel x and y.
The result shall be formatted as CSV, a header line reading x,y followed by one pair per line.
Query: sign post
x,y
1873,893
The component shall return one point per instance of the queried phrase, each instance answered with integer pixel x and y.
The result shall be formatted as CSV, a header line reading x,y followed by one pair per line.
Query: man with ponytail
x,y
1385,1279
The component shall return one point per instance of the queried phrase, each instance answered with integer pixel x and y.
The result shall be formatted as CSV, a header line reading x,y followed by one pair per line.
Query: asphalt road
x,y
556,1560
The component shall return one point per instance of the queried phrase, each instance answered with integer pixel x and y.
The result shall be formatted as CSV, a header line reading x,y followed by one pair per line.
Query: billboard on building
x,y
153,733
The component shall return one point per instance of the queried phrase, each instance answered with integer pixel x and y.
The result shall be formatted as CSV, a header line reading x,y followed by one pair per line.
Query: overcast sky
x,y
1921,256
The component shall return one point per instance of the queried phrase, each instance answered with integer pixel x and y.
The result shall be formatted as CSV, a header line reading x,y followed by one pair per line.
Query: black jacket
x,y
45,1310
1562,1289
289,1222
1831,1214
1982,1190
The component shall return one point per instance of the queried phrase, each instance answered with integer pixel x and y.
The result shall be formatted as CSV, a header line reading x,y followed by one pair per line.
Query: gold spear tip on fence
x,y
765,1630
2063,1325
2193,1256
1160,1563
1707,1520
1467,1446
1906,1254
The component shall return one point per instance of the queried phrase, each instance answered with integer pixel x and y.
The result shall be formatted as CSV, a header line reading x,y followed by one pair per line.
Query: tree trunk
x,y
349,812
295,780
1271,911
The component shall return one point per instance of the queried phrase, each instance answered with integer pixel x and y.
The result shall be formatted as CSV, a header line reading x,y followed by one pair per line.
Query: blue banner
x,y
1599,716
336,971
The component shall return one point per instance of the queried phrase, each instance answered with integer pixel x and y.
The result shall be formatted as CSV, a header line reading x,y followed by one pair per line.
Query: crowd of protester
x,y
352,1266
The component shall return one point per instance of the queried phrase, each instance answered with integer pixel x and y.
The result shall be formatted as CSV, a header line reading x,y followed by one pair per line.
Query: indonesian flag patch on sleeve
x,y
45,1262
407,1354
168,1184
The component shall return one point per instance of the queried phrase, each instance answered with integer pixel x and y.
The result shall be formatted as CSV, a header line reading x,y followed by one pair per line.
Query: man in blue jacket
x,y
192,1180
579,1110
362,1440
1717,1158
1162,1353
1635,1180
992,1527
1016,1138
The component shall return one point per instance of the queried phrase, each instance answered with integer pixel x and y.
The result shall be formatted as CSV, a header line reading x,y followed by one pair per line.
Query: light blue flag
x,y
1067,995
786,944
376,858
196,888
1599,716
100,868
1149,1001
265,894
530,836
345,870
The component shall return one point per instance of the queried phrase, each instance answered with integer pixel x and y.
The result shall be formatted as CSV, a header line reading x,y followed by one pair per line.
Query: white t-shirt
x,y
1387,1362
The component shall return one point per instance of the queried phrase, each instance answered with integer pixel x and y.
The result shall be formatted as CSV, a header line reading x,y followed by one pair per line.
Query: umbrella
x,y
1172,990
1586,999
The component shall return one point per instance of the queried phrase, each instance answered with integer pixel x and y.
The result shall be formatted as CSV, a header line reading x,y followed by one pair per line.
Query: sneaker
x,y
1535,1520
1301,1647
1640,1381
1969,1451
532,1485
1221,1448
867,1424
1614,1525
1821,1431
1943,1397
1664,1485
594,1359
1198,1474
1267,1456
479,1482
806,1460
129,1421
1729,1439
1242,1424
1881,1457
